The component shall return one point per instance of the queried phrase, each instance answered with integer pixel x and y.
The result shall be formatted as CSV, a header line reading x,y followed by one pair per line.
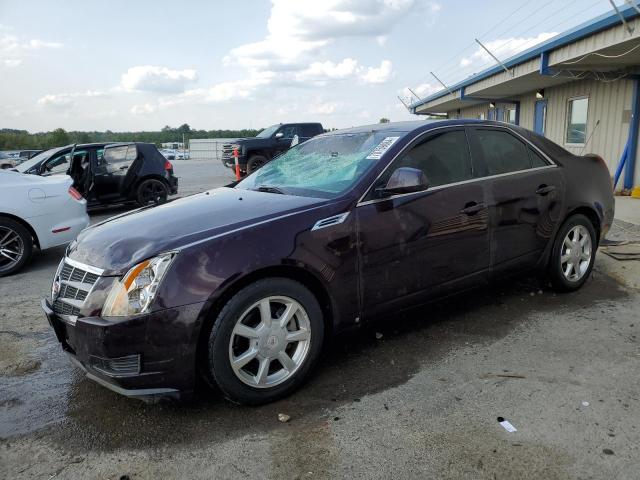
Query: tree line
x,y
11,139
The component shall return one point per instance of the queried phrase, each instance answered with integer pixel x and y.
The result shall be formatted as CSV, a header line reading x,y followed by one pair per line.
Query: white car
x,y
36,211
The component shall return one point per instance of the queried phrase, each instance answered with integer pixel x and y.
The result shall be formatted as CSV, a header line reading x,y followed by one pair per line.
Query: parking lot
x,y
416,395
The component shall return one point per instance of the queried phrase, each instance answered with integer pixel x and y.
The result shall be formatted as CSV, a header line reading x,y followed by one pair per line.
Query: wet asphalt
x,y
415,395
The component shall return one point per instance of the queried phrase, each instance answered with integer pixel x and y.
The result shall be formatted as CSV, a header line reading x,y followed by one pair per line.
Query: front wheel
x,y
265,341
152,192
573,254
255,162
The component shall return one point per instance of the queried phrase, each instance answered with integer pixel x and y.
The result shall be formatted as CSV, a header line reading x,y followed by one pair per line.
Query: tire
x,y
152,192
255,162
14,239
581,266
241,385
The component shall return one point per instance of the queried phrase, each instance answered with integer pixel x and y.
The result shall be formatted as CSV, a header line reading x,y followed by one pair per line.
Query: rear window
x,y
502,152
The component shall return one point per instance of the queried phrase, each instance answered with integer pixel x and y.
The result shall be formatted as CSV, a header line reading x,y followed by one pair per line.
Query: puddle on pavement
x,y
60,404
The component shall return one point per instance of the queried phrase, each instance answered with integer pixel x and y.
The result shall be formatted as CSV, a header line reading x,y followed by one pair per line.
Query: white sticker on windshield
x,y
382,147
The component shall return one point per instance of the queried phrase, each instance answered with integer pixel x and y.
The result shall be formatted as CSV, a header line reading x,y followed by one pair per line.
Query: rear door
x,y
524,196
111,171
417,245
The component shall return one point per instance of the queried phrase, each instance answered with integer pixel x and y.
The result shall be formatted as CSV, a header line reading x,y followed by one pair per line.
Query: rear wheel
x,y
573,254
16,246
152,192
265,341
255,163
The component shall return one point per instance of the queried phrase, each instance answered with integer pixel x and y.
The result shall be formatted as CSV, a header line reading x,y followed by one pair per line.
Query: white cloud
x,y
65,101
323,108
503,48
144,109
14,49
297,29
152,78
381,74
320,71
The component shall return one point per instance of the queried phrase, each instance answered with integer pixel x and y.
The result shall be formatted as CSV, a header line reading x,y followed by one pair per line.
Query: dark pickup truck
x,y
256,151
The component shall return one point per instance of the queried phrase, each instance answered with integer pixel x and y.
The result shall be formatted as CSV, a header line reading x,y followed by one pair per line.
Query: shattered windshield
x,y
322,167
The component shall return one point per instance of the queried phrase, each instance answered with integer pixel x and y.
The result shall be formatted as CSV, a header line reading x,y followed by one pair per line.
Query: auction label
x,y
382,147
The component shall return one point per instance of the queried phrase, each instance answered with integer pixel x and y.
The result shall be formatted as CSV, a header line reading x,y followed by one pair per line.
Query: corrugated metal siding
x,y
608,103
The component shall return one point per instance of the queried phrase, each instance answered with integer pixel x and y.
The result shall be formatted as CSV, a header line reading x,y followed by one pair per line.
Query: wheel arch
x,y
304,276
25,224
591,214
150,176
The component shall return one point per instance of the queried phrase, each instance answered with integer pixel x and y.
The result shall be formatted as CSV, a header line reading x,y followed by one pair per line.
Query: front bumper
x,y
147,357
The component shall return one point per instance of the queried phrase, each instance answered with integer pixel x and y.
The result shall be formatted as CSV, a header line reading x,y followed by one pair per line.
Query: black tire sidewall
x,y
252,162
219,368
556,276
25,235
140,189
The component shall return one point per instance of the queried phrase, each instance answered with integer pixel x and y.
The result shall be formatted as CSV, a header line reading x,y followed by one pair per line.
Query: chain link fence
x,y
207,148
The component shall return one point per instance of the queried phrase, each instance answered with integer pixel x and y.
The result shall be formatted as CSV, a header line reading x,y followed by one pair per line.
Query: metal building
x,y
580,89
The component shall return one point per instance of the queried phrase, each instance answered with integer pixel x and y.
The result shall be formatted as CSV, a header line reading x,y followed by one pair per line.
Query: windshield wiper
x,y
269,189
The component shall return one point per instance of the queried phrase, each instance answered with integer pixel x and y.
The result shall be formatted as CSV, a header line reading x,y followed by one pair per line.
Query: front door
x,y
417,245
540,116
522,195
111,171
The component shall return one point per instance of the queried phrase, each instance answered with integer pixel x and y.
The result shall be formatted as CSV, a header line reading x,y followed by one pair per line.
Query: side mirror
x,y
404,180
279,135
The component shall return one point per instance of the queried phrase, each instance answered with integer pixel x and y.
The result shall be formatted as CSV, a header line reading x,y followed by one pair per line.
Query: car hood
x,y
122,241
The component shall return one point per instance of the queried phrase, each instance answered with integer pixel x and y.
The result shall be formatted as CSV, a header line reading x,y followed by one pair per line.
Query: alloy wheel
x,y
11,248
270,341
575,254
153,193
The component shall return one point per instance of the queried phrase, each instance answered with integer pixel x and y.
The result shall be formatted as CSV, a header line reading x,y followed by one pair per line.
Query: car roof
x,y
412,125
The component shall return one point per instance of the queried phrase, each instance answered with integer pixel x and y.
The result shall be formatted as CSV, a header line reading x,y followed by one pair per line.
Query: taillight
x,y
167,165
75,193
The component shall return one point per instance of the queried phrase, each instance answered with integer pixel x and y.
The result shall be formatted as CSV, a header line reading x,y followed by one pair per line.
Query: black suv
x,y
110,173
256,151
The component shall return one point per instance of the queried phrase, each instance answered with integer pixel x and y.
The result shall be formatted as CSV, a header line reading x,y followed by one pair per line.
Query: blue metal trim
x,y
591,27
544,64
620,166
634,127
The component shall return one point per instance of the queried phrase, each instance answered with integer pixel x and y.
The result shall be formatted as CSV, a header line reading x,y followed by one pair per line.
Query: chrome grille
x,y
76,283
62,308
227,151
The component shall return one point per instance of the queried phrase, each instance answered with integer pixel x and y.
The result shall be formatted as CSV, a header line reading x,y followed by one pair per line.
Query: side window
x,y
444,158
309,130
502,152
132,153
536,159
115,154
58,165
289,131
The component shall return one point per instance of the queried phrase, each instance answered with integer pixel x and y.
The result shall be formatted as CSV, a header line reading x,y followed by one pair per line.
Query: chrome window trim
x,y
552,164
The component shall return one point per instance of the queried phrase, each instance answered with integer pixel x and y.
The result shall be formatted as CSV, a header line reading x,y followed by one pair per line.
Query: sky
x,y
140,65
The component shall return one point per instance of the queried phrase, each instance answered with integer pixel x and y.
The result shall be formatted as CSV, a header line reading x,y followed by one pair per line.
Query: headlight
x,y
134,293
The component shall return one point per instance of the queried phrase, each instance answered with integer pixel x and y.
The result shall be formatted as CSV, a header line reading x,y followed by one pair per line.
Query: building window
x,y
511,115
577,120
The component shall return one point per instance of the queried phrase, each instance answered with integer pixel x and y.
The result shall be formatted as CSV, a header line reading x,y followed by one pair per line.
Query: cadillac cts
x,y
243,284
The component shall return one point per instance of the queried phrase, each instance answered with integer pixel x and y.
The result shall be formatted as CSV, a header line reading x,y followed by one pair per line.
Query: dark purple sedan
x,y
242,285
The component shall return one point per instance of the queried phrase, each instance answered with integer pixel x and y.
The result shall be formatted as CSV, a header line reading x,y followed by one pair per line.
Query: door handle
x,y
126,167
472,208
545,189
